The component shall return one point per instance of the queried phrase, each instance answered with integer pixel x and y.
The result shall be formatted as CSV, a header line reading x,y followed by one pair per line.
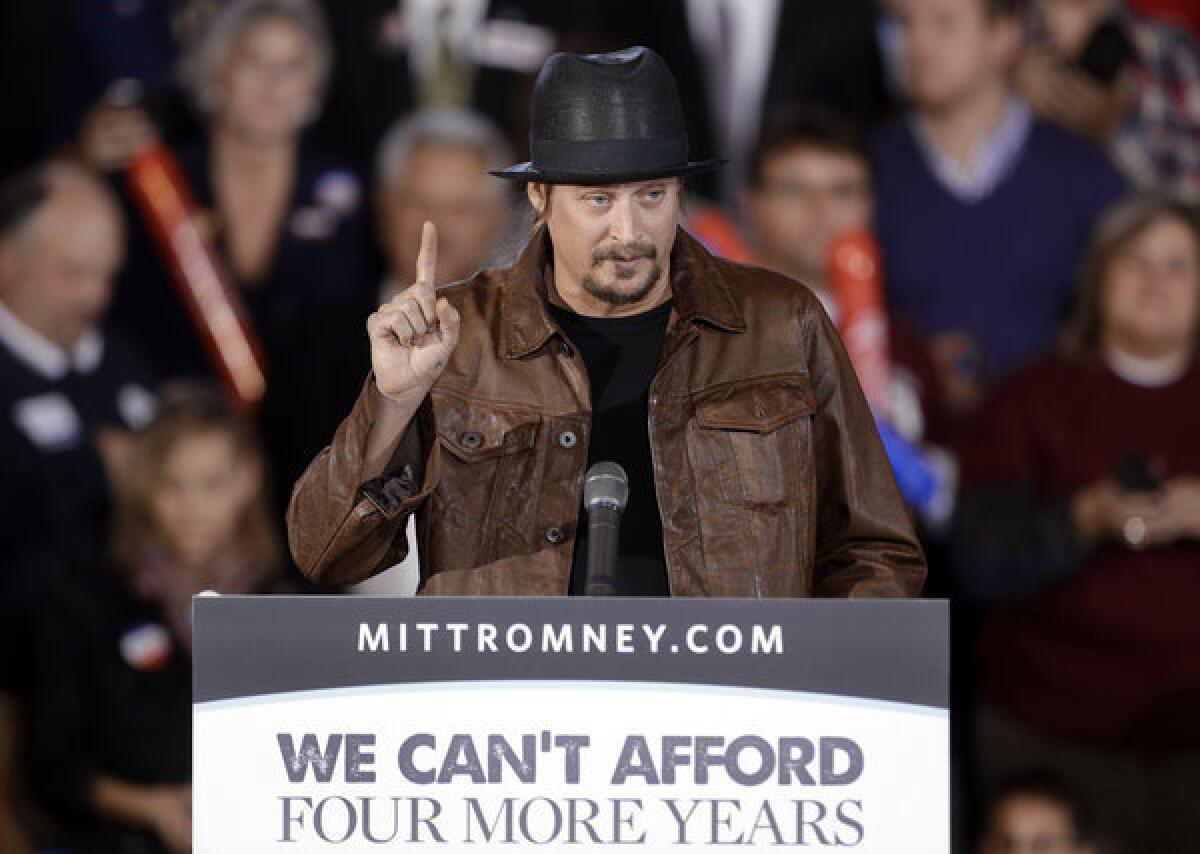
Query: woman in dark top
x,y
110,709
1079,522
289,225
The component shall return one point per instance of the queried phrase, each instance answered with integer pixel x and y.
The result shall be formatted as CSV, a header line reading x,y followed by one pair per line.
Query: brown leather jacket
x,y
770,475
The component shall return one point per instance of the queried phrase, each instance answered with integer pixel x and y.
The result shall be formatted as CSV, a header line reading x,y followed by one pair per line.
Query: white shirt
x,y
49,419
401,579
43,355
991,161
754,23
1147,373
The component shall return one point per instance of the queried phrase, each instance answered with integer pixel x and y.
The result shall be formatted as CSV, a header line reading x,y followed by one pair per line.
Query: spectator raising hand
x,y
1127,81
114,130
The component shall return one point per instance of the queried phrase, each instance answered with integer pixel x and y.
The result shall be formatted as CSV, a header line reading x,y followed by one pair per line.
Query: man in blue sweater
x,y
982,209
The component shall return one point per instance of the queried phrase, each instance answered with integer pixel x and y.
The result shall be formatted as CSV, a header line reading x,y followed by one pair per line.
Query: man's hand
x,y
170,813
412,338
956,359
413,335
111,135
1105,511
1070,97
167,810
1181,507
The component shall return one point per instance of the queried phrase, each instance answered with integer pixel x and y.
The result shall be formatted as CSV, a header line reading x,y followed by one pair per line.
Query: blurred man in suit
x,y
739,61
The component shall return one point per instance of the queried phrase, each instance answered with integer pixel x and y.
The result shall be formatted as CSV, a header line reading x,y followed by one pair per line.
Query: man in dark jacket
x,y
69,395
754,465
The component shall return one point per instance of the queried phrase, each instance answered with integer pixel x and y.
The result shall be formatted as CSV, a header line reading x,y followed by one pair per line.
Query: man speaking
x,y
747,461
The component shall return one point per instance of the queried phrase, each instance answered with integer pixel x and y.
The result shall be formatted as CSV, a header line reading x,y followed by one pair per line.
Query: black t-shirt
x,y
621,355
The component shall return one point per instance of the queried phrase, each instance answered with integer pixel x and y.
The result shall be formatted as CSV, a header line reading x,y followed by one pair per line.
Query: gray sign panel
x,y
892,650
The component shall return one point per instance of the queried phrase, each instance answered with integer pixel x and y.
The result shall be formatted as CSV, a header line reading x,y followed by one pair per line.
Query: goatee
x,y
630,252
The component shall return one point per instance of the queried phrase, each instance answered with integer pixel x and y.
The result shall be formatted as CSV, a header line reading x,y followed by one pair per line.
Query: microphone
x,y
605,493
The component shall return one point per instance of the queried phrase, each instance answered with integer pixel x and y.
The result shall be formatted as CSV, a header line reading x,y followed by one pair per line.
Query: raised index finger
x,y
427,255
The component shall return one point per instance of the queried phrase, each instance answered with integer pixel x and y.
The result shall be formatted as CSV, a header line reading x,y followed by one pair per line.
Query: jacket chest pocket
x,y
490,480
754,438
478,434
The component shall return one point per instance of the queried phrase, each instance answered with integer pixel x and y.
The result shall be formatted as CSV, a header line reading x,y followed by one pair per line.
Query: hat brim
x,y
526,172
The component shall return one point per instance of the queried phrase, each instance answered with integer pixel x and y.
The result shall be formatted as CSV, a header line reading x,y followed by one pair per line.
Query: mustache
x,y
628,252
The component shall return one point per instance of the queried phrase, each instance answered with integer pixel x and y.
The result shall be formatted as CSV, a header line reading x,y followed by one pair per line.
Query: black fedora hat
x,y
606,118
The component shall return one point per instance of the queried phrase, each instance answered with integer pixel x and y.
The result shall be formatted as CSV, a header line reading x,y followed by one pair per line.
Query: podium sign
x,y
359,724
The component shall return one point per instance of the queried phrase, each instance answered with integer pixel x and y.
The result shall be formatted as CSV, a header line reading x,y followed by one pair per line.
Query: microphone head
x,y
605,484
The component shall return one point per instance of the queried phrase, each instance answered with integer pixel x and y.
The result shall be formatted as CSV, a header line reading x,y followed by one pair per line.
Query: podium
x,y
355,724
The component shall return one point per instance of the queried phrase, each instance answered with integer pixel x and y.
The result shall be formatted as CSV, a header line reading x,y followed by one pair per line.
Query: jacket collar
x,y
699,284
42,355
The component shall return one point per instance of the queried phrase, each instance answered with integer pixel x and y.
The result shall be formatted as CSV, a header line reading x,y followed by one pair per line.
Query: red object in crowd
x,y
855,277
718,233
1184,14
217,311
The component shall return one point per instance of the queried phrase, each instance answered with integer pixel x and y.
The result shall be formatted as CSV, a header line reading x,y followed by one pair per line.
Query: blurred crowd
x,y
1029,171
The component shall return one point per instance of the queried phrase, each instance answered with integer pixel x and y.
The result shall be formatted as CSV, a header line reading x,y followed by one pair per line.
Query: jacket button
x,y
472,440
554,534
568,439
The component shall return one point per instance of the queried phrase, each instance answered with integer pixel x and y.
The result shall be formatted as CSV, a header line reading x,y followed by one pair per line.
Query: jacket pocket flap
x,y
757,405
474,430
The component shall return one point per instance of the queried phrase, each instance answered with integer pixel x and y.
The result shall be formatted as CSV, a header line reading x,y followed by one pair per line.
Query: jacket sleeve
x,y
342,528
865,542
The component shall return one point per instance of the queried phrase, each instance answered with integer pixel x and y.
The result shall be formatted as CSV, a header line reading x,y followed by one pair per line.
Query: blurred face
x,y
612,244
1151,299
808,196
204,490
56,274
448,185
1031,825
954,49
270,84
1069,23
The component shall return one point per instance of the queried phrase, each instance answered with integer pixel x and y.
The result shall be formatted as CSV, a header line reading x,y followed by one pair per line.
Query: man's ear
x,y
536,191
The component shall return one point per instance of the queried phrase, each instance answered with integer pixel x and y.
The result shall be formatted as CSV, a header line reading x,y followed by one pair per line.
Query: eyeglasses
x,y
800,192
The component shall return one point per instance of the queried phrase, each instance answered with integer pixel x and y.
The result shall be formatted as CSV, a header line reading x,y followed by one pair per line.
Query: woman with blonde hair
x,y
110,709
1079,521
289,224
